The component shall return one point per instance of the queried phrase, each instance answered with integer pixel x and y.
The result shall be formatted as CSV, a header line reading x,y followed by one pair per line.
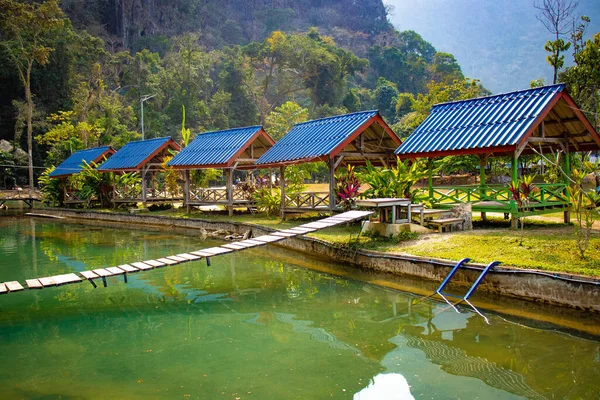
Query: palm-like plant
x,y
392,182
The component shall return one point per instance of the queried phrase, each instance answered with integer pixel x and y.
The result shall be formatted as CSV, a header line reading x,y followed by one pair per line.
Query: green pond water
x,y
256,324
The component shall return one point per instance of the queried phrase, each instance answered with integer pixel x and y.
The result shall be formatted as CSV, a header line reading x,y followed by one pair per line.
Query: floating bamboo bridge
x,y
133,267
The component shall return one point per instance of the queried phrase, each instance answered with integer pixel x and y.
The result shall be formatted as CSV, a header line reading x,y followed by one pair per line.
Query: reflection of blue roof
x,y
73,164
215,148
134,154
313,139
482,123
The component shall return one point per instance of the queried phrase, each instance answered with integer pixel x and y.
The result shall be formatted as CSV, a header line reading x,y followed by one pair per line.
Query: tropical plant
x,y
347,188
52,188
185,132
522,193
585,204
128,183
393,182
268,200
202,177
171,177
95,185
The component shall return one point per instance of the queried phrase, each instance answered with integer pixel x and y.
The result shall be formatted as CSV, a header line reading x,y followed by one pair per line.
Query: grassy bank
x,y
548,244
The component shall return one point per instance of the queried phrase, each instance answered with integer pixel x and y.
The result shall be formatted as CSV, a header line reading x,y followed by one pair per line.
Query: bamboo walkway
x,y
124,269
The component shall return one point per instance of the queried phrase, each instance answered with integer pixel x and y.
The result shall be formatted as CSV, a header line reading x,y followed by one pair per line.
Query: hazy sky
x,y
498,41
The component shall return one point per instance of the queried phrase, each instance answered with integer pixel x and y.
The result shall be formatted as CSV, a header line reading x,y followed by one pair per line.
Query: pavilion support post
x,y
229,176
282,187
332,201
482,188
514,169
514,220
186,190
270,181
430,177
567,169
144,187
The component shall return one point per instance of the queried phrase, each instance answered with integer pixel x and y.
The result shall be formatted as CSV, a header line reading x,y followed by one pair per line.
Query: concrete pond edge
x,y
562,289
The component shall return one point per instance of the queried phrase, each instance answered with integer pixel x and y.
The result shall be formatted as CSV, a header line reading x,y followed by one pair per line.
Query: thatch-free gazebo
x,y
230,150
343,139
74,165
541,120
141,156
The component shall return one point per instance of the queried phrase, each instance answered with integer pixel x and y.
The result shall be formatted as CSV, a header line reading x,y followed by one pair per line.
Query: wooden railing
x,y
216,195
308,200
135,193
72,197
546,194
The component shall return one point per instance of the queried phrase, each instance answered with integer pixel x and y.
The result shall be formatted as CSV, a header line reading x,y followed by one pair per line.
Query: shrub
x,y
52,188
392,182
268,201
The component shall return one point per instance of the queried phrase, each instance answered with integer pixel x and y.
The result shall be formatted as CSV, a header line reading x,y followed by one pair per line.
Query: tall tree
x,y
557,17
25,29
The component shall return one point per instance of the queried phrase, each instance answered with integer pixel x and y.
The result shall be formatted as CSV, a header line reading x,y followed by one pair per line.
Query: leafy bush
x,y
393,182
52,188
171,177
268,201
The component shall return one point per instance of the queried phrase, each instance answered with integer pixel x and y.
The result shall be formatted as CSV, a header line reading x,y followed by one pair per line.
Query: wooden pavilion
x,y
143,156
541,120
74,165
230,150
344,139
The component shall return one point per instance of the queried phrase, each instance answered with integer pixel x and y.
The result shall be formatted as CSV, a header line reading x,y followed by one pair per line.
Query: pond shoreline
x,y
537,286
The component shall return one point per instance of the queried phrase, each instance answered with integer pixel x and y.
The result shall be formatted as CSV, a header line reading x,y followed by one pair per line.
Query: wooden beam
x,y
363,155
559,120
282,187
535,139
553,114
332,165
186,190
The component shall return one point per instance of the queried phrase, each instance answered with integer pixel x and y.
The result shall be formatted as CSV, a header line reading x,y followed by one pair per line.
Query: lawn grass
x,y
548,243
549,249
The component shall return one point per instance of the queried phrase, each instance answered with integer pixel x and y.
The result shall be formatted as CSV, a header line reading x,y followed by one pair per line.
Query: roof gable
x,y
483,124
220,149
321,138
73,164
135,155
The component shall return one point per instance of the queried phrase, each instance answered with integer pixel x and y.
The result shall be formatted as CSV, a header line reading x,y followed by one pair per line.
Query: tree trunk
x,y
29,99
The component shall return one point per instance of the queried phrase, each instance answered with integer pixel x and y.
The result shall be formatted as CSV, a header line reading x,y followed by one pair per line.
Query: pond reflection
x,y
257,324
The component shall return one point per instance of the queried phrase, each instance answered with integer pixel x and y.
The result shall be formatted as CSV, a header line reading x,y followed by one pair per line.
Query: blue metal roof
x,y
313,139
73,164
133,154
214,148
481,123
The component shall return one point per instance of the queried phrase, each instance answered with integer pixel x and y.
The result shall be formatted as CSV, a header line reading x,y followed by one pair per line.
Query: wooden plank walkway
x,y
124,269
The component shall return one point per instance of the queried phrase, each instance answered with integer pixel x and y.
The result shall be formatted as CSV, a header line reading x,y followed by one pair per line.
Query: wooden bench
x,y
442,223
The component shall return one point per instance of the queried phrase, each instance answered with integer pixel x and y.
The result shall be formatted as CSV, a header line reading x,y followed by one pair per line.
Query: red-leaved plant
x,y
521,194
347,188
